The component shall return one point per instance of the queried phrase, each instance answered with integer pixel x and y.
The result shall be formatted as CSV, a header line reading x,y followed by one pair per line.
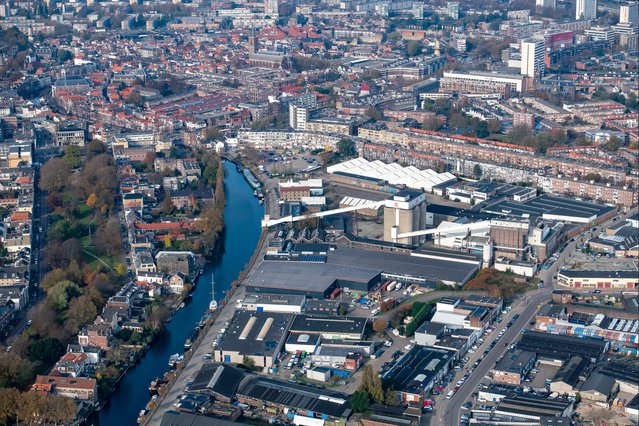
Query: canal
x,y
242,217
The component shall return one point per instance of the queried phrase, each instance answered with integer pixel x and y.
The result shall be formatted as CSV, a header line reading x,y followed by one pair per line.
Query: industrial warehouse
x,y
359,270
551,208
378,174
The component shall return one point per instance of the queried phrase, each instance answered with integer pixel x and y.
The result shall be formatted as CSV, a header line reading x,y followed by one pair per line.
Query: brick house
x,y
81,388
96,335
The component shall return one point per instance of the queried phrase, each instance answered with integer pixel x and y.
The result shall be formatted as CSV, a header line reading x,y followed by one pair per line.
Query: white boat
x,y
213,302
174,359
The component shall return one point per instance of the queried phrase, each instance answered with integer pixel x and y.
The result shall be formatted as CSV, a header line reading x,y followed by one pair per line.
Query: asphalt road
x,y
195,363
448,411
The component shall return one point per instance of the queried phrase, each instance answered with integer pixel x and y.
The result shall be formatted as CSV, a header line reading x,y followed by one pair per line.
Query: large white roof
x,y
393,173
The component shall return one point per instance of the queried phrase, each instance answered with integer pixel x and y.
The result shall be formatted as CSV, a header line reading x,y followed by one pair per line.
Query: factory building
x,y
405,212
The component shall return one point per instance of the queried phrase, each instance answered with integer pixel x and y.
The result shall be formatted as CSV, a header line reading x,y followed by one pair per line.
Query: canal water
x,y
242,217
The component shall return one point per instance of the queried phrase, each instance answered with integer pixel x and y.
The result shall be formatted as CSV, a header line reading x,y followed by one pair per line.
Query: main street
x,y
448,411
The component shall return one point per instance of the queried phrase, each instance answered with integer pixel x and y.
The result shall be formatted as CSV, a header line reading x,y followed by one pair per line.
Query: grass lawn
x,y
84,215
91,261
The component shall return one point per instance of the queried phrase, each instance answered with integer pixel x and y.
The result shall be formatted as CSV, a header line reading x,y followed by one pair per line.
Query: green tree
x,y
360,401
73,156
249,362
613,144
481,129
346,147
389,397
58,296
477,171
65,55
413,48
374,113
47,350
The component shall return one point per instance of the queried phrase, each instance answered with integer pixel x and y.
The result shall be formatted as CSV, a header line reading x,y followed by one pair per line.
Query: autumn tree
x,y
374,113
59,409
30,408
372,384
431,123
51,278
15,371
379,325
54,175
9,398
92,200
390,398
99,177
108,239
81,312
44,321
149,159
158,314
61,255
95,148
220,196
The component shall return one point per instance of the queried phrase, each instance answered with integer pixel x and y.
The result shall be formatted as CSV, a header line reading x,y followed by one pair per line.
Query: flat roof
x,y
550,207
176,418
308,276
418,368
275,299
533,405
561,347
303,339
576,273
322,324
401,264
255,333
514,361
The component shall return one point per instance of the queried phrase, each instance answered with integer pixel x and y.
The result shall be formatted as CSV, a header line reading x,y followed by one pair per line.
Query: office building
x,y
271,8
586,9
297,116
482,82
452,9
532,58
629,14
542,4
